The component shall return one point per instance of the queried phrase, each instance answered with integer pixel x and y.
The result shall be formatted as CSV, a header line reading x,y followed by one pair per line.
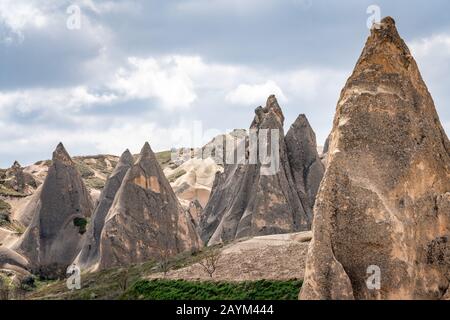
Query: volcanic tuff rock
x,y
18,181
89,255
246,201
146,221
13,262
307,168
62,206
385,197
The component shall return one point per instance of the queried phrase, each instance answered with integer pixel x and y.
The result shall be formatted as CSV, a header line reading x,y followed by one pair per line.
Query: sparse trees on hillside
x,y
211,261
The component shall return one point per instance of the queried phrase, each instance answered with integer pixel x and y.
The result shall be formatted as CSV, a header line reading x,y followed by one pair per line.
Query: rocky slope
x,y
385,197
274,257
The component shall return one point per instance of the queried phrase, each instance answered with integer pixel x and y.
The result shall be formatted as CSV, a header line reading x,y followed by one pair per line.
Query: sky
x,y
102,76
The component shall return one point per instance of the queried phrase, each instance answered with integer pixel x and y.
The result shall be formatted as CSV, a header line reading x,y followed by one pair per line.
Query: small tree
x,y
5,288
210,262
164,254
124,280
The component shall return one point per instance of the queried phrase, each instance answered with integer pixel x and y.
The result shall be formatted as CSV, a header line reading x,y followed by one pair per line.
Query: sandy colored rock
x,y
251,200
274,257
145,218
53,238
12,261
90,253
385,197
193,180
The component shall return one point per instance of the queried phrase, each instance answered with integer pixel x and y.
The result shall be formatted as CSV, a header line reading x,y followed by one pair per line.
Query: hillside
x,y
272,264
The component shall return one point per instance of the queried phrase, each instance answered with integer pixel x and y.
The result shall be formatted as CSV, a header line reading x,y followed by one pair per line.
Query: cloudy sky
x,y
179,72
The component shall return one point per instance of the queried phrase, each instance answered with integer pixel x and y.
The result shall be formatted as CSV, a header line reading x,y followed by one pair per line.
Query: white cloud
x,y
17,15
433,57
252,94
51,100
164,79
182,85
437,44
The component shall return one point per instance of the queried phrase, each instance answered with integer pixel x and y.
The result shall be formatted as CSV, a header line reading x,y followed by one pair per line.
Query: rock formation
x,y
16,179
193,180
89,255
250,200
146,221
384,203
13,262
61,210
307,168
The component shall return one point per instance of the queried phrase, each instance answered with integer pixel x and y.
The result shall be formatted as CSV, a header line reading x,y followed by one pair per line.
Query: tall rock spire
x,y
384,204
146,220
306,165
90,252
247,200
61,208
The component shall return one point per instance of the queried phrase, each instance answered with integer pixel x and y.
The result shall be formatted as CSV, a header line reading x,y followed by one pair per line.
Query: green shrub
x,y
95,183
187,290
81,224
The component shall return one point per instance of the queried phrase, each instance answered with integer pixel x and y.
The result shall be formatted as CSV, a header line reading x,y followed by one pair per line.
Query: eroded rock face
x,y
250,200
385,197
62,208
146,220
307,168
90,252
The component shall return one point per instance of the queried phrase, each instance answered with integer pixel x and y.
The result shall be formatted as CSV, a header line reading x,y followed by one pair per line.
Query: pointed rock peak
x,y
272,107
386,31
301,121
146,149
16,165
60,154
126,157
146,153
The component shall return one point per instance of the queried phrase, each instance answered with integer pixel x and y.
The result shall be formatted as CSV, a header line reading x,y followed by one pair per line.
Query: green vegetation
x,y
176,175
95,183
47,163
4,213
8,192
84,170
186,290
108,284
81,224
4,206
164,158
